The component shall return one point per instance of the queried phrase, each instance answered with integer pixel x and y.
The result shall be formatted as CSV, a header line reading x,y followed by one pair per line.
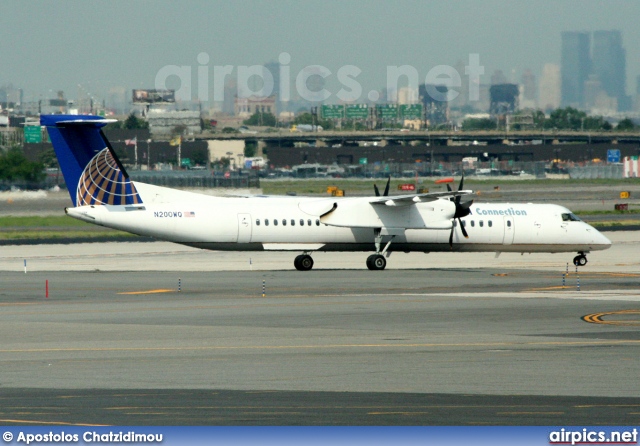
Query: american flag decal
x,y
189,214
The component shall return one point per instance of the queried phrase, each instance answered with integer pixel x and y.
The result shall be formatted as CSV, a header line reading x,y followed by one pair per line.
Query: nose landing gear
x,y
580,259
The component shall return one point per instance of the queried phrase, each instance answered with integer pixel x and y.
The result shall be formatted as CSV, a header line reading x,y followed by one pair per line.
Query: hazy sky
x,y
56,45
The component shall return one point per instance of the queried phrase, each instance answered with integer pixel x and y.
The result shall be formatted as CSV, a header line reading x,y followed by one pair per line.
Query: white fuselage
x,y
308,224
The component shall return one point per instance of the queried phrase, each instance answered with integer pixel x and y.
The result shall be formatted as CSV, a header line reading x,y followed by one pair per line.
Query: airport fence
x,y
177,179
196,179
606,171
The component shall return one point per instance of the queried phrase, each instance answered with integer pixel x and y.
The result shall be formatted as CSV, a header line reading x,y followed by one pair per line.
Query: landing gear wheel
x,y
580,260
303,262
376,262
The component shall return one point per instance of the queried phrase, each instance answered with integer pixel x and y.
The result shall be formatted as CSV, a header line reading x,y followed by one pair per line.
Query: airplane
x,y
102,193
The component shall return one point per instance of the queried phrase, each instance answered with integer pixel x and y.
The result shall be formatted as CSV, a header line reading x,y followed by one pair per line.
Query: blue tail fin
x,y
91,169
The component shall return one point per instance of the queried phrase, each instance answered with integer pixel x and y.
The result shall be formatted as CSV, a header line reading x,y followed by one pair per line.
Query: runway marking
x,y
544,289
397,413
327,346
530,413
48,422
596,318
148,292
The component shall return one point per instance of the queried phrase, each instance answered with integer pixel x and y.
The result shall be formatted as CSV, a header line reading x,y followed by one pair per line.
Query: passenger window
x,y
275,222
257,222
481,224
301,222
293,222
266,222
509,223
464,223
317,222
284,222
490,223
473,223
309,222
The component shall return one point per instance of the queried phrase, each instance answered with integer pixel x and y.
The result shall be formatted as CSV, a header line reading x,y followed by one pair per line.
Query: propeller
x,y
462,210
386,189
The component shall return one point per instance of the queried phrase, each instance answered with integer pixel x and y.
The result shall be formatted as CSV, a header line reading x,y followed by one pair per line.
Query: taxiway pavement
x,y
434,339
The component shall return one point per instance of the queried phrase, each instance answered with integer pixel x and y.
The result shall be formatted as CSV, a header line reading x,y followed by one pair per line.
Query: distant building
x,y
274,68
10,96
435,102
163,123
504,99
245,107
550,85
609,65
407,95
462,99
314,85
529,94
592,91
576,66
230,94
636,105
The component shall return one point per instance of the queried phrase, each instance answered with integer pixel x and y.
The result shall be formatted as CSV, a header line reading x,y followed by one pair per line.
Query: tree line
x,y
567,118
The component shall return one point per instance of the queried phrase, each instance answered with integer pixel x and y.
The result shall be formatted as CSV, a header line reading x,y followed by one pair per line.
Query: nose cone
x,y
598,241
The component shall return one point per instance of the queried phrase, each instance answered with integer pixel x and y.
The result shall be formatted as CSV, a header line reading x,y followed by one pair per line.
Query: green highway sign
x,y
357,111
388,111
32,134
332,111
363,161
186,162
411,111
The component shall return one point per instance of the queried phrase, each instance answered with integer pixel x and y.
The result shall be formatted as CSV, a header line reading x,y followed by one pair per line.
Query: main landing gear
x,y
303,262
580,259
377,262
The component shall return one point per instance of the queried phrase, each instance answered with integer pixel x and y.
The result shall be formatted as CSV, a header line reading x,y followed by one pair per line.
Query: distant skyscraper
x,y
636,105
230,95
609,65
407,95
550,83
529,94
274,68
576,65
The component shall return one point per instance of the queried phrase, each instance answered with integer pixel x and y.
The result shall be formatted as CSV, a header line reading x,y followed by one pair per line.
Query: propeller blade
x,y
461,182
386,189
451,238
463,209
448,188
375,188
464,231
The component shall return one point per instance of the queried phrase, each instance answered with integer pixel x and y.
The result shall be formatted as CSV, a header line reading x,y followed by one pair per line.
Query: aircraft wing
x,y
405,200
415,211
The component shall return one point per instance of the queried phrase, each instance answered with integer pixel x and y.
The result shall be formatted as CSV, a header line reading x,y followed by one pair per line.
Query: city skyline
x,y
103,47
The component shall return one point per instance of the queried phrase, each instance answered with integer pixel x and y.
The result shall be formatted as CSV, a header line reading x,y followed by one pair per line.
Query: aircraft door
x,y
244,228
509,230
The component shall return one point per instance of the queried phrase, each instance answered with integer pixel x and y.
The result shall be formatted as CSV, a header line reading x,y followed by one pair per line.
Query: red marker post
x,y
46,289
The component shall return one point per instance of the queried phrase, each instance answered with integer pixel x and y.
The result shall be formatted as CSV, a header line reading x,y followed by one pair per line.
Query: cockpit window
x,y
570,217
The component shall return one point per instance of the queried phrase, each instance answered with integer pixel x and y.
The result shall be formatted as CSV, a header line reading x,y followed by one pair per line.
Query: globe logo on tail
x,y
102,182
